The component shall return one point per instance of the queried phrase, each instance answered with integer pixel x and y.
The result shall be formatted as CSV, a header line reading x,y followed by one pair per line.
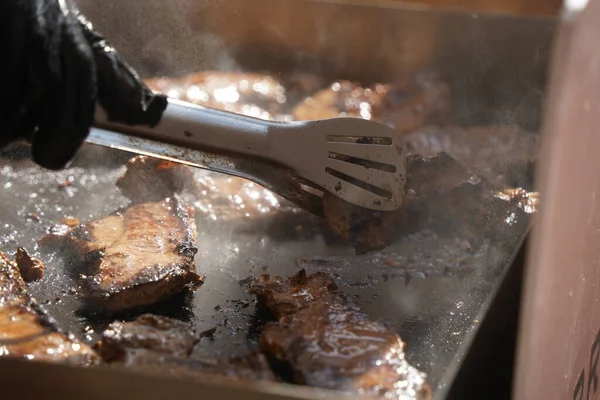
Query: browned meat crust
x,y
26,331
227,198
328,342
158,344
151,179
443,196
251,367
505,155
218,197
255,95
135,257
153,333
31,268
405,106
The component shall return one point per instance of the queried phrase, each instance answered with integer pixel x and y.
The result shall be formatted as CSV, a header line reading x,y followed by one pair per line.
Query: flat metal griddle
x,y
428,288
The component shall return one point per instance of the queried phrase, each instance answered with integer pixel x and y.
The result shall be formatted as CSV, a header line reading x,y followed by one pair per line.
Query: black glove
x,y
53,69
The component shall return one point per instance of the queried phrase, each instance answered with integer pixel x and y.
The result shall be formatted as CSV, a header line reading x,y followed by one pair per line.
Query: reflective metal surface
x,y
428,287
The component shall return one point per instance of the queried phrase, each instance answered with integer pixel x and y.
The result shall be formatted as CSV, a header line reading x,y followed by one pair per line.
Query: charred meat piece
x,y
149,332
443,196
251,367
134,257
505,155
255,95
405,106
158,344
31,268
26,331
152,179
328,342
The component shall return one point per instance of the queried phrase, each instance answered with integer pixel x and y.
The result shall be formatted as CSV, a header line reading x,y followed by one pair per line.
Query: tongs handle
x,y
199,128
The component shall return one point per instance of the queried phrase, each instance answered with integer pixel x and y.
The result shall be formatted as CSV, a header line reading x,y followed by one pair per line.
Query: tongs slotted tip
x,y
360,161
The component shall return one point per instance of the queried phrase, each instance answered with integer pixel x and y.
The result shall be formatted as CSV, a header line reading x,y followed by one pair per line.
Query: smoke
x,y
162,37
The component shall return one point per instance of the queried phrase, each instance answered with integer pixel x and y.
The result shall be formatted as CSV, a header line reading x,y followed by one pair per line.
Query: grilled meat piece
x,y
251,367
443,196
227,198
244,206
255,95
151,179
158,344
149,332
31,268
26,331
219,198
505,155
405,106
328,342
134,257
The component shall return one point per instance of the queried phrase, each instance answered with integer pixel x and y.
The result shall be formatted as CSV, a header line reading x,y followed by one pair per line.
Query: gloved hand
x,y
53,69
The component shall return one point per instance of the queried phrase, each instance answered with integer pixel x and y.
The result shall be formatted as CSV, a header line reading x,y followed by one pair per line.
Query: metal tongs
x,y
357,160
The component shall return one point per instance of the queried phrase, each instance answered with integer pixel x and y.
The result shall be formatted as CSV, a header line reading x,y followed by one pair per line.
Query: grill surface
x,y
428,288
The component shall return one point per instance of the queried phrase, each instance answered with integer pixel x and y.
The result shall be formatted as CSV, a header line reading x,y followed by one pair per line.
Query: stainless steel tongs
x,y
357,160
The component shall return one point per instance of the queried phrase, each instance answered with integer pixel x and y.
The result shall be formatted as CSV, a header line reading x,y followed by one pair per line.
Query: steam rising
x,y
162,37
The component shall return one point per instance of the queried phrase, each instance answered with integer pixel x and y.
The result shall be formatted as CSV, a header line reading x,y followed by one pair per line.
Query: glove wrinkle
x,y
121,92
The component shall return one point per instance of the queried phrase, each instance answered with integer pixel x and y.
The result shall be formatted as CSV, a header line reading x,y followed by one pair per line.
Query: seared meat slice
x,y
26,331
405,105
149,332
31,268
135,257
152,179
443,196
227,198
218,197
505,155
256,95
251,367
328,342
158,344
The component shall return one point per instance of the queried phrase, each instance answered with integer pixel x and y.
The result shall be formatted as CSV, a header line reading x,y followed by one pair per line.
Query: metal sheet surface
x,y
428,288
